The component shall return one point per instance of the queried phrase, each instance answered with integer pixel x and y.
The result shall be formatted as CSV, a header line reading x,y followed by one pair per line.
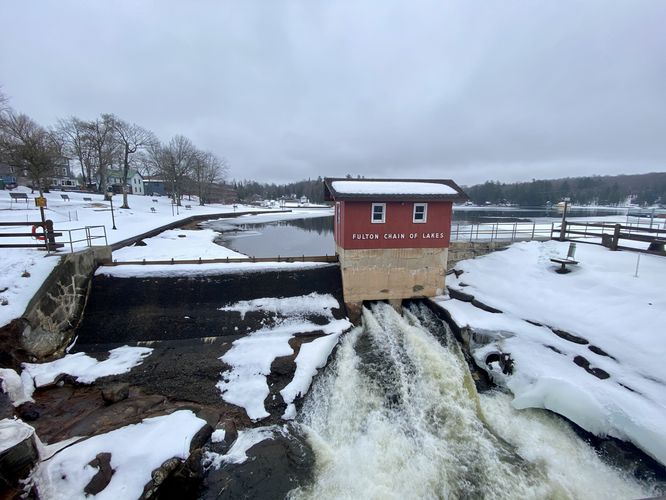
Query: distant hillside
x,y
644,189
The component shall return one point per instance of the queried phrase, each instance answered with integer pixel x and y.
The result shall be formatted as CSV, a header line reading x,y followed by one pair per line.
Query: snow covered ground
x,y
22,271
136,450
587,345
177,244
250,357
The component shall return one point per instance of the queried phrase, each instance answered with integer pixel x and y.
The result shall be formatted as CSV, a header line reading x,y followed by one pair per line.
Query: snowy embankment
x,y
22,271
250,357
587,345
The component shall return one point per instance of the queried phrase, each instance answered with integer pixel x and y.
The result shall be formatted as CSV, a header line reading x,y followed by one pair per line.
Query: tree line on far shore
x,y
103,144
641,189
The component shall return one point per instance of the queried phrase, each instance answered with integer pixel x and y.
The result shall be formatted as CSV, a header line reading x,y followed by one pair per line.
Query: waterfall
x,y
397,415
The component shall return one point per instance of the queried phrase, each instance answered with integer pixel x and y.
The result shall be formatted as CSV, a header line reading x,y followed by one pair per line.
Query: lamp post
x,y
113,218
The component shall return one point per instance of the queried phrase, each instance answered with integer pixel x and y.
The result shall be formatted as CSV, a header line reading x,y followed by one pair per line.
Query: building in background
x,y
135,182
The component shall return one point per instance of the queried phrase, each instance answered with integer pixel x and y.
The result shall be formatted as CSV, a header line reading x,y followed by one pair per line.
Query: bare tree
x,y
100,134
4,102
207,169
75,136
131,139
175,162
30,146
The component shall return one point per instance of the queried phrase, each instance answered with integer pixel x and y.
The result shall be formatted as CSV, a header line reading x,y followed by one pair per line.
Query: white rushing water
x,y
397,416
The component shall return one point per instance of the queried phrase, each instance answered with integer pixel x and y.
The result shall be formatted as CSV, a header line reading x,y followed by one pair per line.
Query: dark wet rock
x,y
102,478
629,388
15,465
485,307
554,349
503,359
585,364
176,479
12,354
6,406
458,295
285,365
274,467
115,393
599,351
210,415
462,284
569,336
28,411
25,274
140,243
535,323
201,437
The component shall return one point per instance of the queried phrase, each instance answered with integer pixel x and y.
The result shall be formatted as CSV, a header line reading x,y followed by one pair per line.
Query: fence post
x,y
563,230
50,238
616,237
533,229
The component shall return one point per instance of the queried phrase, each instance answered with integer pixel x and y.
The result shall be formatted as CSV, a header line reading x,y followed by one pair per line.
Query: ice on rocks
x,y
84,368
600,301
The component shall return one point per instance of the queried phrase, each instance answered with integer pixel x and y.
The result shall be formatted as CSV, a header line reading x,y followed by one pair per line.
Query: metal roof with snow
x,y
338,189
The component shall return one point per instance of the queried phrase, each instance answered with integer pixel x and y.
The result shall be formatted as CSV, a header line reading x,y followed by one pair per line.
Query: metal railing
x,y
611,234
502,231
44,238
87,234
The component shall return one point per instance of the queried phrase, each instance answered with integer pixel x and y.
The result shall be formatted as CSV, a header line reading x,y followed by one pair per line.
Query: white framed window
x,y
378,213
420,213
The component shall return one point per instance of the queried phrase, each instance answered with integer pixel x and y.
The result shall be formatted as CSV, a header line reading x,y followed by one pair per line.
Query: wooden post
x,y
563,229
616,237
48,232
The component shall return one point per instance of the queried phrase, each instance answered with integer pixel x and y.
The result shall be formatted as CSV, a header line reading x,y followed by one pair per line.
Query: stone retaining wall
x,y
459,250
47,325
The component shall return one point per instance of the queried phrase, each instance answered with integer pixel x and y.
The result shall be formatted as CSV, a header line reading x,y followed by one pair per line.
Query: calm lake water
x,y
314,235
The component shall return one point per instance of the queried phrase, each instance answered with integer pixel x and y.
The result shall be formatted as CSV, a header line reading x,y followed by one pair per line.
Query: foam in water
x,y
396,416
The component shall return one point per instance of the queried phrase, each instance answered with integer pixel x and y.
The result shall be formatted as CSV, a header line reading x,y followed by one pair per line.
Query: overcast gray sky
x,y
471,90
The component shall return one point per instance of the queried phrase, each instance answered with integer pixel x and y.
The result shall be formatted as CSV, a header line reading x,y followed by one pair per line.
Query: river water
x,y
396,415
314,235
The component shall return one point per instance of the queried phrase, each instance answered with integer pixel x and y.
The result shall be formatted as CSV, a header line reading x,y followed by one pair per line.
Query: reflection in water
x,y
289,238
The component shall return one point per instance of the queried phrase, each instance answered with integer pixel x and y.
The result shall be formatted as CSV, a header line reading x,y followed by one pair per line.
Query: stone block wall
x,y
459,250
46,326
393,273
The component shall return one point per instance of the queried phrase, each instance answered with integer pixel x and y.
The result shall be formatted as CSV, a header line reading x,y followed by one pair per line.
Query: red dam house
x,y
392,236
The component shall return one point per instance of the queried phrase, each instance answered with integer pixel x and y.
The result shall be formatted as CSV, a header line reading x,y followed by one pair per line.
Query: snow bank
x,y
199,270
313,303
178,244
251,357
136,450
246,439
12,432
22,272
86,369
311,357
386,187
18,387
616,316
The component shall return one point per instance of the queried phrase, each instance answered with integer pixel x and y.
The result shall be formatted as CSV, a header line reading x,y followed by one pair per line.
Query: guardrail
x,y
227,260
502,231
45,240
611,234
88,235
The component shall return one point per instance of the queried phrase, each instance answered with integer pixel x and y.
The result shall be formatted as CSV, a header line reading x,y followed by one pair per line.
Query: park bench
x,y
87,199
154,200
65,197
188,207
566,261
152,209
16,197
